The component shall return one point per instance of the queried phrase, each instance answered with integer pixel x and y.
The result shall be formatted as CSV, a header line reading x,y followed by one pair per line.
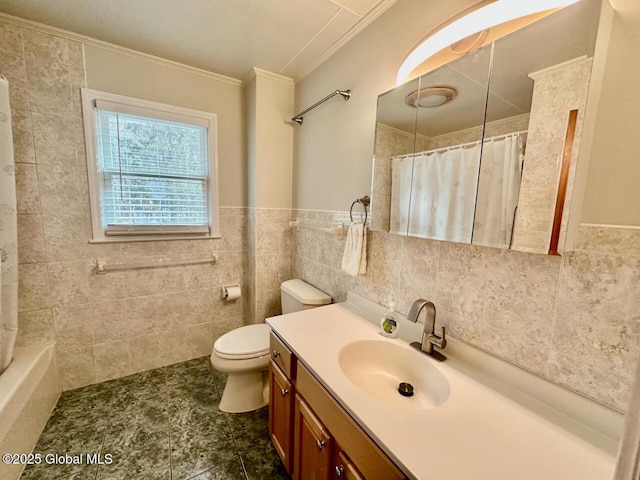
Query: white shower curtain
x,y
401,173
498,191
442,195
8,234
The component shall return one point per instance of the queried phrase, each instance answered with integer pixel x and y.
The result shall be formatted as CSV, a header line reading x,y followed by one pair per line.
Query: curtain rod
x,y
462,145
346,94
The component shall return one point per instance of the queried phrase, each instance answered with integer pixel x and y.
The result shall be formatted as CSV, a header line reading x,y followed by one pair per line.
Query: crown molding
x,y
40,27
583,60
364,22
259,72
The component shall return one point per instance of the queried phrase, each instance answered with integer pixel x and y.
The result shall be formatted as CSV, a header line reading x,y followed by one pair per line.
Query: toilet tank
x,y
297,295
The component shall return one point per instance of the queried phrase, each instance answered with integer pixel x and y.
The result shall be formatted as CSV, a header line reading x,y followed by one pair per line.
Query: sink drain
x,y
405,389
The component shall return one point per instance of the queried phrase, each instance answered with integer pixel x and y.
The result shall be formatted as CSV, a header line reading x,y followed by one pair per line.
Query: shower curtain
x,y
8,234
440,202
498,191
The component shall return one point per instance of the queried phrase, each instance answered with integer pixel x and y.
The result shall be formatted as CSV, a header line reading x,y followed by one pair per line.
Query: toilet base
x,y
245,392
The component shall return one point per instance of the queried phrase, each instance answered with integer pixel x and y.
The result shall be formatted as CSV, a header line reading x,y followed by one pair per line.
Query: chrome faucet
x,y
429,337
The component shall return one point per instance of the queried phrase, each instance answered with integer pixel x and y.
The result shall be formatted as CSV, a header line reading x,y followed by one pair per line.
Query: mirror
x,y
486,165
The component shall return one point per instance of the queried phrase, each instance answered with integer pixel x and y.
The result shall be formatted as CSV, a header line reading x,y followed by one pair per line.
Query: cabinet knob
x,y
320,445
284,392
276,354
339,471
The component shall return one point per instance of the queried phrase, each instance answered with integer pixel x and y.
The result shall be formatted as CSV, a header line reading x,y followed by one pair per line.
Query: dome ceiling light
x,y
488,15
431,97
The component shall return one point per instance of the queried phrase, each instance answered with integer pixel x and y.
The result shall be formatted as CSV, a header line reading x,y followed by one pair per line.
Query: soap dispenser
x,y
388,322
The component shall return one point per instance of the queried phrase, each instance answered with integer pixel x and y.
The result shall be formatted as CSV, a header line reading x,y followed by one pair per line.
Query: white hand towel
x,y
354,260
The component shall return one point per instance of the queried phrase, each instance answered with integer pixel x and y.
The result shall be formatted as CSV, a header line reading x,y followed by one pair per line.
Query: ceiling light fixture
x,y
431,97
495,13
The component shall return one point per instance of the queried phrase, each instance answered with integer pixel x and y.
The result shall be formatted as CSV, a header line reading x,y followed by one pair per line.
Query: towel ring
x,y
365,202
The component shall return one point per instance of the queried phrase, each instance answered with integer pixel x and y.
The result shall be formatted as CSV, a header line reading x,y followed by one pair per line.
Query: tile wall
x,y
574,320
105,326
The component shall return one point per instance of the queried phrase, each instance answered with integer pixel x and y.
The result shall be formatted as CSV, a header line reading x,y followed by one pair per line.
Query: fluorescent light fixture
x,y
495,13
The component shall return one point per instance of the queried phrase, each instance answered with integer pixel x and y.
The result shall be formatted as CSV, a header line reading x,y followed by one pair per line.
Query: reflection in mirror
x,y
447,160
542,88
538,75
395,137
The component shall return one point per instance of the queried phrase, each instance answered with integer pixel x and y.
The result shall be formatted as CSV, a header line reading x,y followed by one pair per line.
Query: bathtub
x,y
29,389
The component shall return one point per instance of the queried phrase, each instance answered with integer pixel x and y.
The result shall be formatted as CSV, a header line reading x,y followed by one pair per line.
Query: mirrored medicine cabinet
x,y
483,149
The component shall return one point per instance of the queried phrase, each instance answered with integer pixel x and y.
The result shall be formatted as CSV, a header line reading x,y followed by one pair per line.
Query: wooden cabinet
x,y
343,467
314,436
281,398
312,447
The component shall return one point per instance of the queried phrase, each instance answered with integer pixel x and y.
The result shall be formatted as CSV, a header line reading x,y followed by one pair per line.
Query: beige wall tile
x,y
35,328
33,287
77,367
22,130
185,343
67,236
141,316
598,298
54,141
610,239
27,194
109,320
169,279
30,239
112,360
145,352
68,283
48,84
199,306
172,311
596,383
12,66
63,190
10,38
73,326
43,45
462,280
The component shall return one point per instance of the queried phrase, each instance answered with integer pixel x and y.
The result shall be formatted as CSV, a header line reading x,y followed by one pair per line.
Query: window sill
x,y
126,239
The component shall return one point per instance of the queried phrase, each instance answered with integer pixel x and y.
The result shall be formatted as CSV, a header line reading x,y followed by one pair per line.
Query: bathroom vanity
x,y
335,409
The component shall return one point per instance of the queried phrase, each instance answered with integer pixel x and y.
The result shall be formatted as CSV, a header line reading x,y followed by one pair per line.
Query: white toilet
x,y
243,353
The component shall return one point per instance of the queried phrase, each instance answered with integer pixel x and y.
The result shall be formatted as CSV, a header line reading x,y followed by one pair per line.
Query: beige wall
x,y
612,194
274,140
124,74
334,147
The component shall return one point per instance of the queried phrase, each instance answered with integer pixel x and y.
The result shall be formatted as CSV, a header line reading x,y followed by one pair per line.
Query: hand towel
x,y
354,259
628,467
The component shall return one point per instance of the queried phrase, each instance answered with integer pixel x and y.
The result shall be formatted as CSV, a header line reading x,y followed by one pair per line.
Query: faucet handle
x,y
439,342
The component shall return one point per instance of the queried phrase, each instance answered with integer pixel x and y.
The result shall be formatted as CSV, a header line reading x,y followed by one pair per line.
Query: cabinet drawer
x,y
281,398
282,356
363,452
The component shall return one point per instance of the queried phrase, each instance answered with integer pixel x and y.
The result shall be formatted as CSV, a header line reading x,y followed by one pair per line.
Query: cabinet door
x,y
343,467
312,445
281,398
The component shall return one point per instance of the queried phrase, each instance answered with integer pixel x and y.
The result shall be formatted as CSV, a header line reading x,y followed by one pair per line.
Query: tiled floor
x,y
162,424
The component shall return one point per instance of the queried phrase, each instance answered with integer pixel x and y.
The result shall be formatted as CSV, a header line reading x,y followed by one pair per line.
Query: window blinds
x,y
154,171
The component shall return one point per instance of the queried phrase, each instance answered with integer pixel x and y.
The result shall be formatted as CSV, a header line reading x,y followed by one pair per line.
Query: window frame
x,y
160,111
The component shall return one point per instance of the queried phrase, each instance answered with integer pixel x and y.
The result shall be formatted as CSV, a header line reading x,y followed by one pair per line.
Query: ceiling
x,y
229,37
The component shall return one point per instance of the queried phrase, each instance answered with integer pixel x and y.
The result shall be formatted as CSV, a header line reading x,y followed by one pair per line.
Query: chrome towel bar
x,y
346,94
103,268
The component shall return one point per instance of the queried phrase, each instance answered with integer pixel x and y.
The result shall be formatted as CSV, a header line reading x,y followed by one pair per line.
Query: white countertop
x,y
477,433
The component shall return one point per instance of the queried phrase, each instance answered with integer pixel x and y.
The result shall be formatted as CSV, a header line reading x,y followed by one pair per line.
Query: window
x,y
152,169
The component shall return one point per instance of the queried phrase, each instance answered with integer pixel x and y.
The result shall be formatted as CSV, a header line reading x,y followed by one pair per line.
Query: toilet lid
x,y
250,341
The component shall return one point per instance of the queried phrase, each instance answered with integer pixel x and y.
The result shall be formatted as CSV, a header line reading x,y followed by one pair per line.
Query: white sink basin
x,y
378,367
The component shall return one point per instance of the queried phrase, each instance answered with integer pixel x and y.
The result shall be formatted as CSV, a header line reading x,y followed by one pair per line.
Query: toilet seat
x,y
250,341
